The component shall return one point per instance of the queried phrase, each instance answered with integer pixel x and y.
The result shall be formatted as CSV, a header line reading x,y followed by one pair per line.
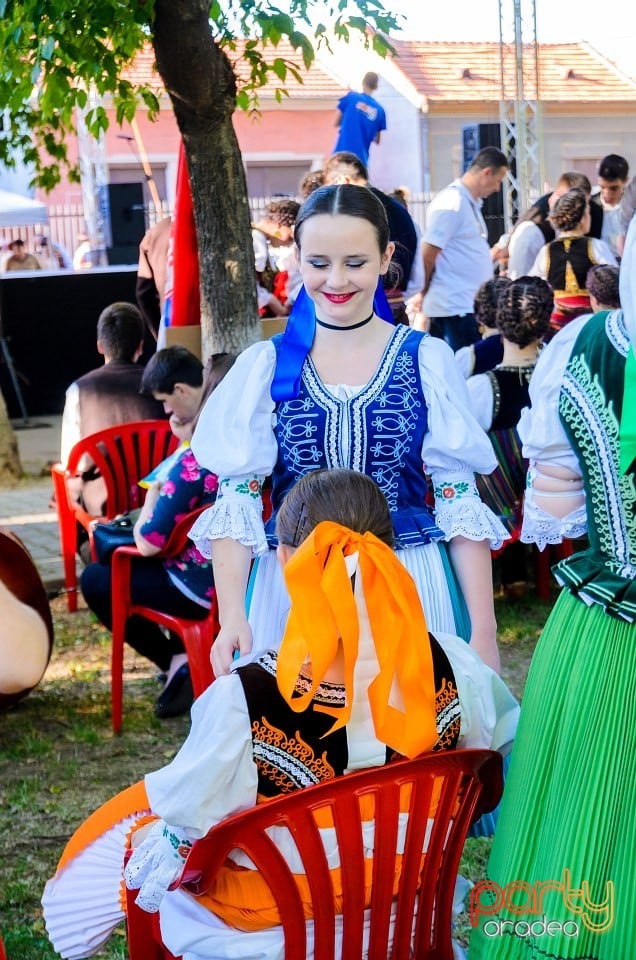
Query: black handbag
x,y
112,534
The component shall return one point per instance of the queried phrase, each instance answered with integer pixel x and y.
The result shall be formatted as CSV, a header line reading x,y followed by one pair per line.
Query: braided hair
x,y
524,310
602,284
569,209
487,298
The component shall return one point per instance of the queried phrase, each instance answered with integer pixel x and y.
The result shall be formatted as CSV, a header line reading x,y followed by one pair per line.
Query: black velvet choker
x,y
354,326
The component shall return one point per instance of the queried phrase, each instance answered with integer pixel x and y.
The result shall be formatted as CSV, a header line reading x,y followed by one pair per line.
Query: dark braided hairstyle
x,y
487,298
524,309
569,209
602,284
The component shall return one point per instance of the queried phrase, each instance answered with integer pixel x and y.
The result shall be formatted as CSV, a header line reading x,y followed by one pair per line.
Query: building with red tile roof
x,y
430,91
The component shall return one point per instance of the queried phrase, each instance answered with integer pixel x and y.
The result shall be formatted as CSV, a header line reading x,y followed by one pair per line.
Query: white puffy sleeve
x,y
540,266
603,252
525,243
455,448
481,399
234,438
545,441
213,775
489,712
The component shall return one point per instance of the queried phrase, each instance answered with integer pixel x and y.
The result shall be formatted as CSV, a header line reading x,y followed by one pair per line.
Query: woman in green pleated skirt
x,y
569,809
560,879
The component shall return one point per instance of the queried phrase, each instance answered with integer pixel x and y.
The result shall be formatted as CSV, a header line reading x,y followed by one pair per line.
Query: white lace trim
x,y
233,518
542,528
473,520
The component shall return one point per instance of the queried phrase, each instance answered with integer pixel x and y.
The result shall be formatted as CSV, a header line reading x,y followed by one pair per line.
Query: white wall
x,y
398,160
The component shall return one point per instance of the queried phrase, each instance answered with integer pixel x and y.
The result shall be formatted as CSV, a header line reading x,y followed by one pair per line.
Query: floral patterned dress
x,y
186,487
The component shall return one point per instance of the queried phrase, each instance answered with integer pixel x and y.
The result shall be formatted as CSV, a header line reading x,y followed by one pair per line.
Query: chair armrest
x,y
120,566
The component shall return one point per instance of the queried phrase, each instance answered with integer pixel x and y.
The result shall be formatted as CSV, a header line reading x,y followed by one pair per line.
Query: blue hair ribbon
x,y
298,338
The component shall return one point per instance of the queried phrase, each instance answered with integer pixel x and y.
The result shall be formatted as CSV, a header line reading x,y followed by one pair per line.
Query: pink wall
x,y
291,132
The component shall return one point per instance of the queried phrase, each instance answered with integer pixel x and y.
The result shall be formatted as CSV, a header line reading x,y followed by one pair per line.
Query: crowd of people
x,y
433,401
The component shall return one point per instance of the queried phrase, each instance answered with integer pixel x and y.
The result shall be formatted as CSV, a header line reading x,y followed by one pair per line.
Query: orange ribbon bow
x,y
324,614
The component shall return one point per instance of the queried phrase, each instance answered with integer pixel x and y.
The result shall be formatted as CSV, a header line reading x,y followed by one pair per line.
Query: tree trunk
x,y
10,467
201,84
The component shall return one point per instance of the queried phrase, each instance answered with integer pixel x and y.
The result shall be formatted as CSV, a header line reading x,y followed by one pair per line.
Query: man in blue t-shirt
x,y
361,120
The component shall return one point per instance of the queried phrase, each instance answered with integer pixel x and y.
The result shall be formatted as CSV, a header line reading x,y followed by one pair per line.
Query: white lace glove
x,y
156,864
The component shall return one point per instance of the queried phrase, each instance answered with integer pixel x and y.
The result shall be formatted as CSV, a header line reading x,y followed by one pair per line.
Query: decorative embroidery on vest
x,y
584,408
496,395
616,332
448,720
288,762
378,432
329,694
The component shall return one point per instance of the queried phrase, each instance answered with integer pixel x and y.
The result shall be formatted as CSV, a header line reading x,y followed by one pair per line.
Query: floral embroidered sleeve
x,y
237,514
235,439
459,511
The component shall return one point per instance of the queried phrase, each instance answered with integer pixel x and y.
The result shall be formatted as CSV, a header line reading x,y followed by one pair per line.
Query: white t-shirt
x,y
455,224
613,226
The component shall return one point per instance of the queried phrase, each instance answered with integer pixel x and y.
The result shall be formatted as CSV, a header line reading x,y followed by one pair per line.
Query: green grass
x,y
59,760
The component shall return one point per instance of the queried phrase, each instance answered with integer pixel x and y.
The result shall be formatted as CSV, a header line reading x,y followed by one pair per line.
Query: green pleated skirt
x,y
568,813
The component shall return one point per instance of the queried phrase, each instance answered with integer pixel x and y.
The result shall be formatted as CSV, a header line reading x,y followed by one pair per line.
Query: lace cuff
x,y
237,514
543,528
460,512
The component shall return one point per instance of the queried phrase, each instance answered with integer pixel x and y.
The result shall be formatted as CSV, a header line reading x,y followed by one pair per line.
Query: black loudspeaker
x,y
50,322
476,136
122,254
122,212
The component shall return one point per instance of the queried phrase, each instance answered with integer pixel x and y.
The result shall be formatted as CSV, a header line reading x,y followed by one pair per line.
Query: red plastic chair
x,y
197,636
123,455
3,955
447,792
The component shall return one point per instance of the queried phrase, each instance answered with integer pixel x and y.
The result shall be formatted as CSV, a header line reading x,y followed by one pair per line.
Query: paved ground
x,y
24,508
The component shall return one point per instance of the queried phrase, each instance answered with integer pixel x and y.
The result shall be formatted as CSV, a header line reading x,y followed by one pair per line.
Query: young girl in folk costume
x,y
498,399
564,262
567,816
312,711
487,352
344,388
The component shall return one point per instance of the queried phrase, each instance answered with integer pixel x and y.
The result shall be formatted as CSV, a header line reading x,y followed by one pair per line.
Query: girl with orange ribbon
x,y
344,387
357,681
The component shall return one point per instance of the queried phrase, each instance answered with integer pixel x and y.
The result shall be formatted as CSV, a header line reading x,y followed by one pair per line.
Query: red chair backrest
x,y
178,537
124,455
447,792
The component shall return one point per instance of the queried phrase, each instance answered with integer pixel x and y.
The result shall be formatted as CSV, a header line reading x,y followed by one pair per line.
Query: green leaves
x,y
57,53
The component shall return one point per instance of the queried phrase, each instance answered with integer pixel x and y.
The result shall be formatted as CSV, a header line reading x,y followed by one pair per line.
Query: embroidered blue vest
x,y
384,426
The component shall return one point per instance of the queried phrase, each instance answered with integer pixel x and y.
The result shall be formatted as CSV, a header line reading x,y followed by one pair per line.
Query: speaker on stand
x,y
122,212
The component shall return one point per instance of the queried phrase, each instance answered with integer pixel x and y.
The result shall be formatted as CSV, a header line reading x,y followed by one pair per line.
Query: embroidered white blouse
x,y
235,439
